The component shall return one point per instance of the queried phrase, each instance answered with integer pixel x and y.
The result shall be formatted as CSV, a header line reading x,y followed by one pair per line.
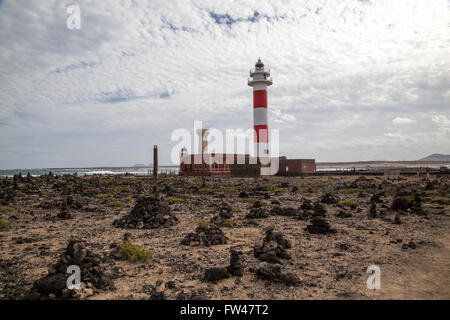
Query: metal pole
x,y
155,162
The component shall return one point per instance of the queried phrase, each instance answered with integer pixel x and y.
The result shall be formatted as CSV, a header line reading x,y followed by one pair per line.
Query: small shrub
x,y
7,209
4,225
131,252
441,201
129,198
117,204
203,223
121,189
228,223
351,190
185,195
173,199
234,210
348,203
105,196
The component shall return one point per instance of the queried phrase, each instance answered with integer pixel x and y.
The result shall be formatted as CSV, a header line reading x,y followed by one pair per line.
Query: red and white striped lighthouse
x,y
260,79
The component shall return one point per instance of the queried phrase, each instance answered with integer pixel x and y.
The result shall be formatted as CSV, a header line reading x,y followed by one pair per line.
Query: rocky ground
x,y
226,238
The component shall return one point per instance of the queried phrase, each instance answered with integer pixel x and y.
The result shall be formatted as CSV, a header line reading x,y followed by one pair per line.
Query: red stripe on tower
x,y
259,98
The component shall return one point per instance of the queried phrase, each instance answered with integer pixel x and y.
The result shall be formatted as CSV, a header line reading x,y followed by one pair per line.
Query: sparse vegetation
x,y
116,204
7,209
348,203
174,199
131,252
105,196
351,190
4,225
203,223
228,223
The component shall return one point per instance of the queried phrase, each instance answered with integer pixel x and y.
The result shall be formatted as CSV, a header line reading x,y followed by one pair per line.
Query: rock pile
x,y
328,198
416,206
274,274
216,273
319,226
400,203
319,209
257,211
273,248
207,236
93,277
225,210
288,211
236,268
306,204
148,213
373,210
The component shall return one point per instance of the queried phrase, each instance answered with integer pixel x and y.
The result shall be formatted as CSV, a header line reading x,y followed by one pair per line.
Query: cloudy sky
x,y
353,80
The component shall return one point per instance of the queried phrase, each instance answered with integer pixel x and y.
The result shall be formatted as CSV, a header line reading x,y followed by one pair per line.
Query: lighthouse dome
x,y
259,64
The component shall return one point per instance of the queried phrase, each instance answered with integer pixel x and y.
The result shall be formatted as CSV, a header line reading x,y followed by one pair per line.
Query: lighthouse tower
x,y
260,79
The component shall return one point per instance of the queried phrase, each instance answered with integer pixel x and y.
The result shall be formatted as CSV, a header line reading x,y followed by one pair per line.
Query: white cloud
x,y
441,120
402,120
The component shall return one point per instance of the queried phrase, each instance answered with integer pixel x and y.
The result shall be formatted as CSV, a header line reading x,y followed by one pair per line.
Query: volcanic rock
x,y
257,213
328,198
306,204
397,219
225,210
216,273
236,268
274,274
400,203
148,213
209,236
319,209
290,212
273,248
91,272
373,210
319,226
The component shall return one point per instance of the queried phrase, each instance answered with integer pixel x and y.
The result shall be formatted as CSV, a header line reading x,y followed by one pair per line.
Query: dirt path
x,y
427,276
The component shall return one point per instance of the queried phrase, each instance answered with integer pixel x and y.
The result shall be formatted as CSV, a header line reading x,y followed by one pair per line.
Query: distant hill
x,y
437,157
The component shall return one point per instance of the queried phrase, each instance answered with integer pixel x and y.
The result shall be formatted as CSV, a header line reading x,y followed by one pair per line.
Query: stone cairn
x,y
328,198
416,206
287,212
205,235
54,284
257,211
373,210
64,213
236,268
148,213
319,226
273,248
225,210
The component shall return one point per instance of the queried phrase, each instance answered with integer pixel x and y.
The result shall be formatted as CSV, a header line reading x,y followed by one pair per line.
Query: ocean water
x,y
89,171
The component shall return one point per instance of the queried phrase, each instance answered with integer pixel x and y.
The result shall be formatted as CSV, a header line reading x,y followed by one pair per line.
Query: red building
x,y
239,165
